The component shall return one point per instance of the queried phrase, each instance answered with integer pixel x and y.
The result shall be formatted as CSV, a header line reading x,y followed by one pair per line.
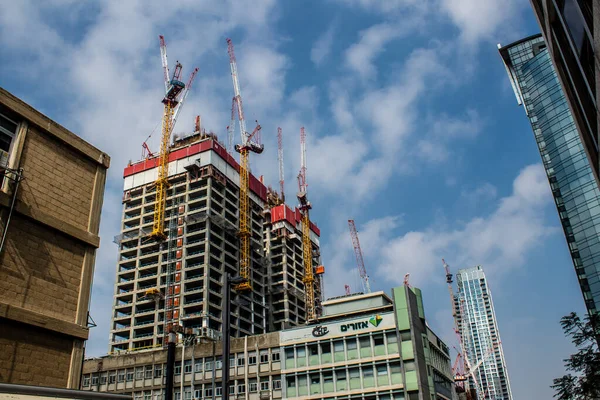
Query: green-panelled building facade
x,y
367,346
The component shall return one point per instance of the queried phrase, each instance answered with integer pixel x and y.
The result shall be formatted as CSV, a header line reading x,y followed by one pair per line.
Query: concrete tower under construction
x,y
202,213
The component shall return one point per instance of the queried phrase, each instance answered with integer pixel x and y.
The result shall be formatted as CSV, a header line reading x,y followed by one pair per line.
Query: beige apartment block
x,y
52,187
255,365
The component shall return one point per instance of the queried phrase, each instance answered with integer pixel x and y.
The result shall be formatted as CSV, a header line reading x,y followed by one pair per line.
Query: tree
x,y
584,383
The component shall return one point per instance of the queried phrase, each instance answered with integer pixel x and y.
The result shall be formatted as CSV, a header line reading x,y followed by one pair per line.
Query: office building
x,y
51,193
569,172
571,30
366,346
479,331
202,206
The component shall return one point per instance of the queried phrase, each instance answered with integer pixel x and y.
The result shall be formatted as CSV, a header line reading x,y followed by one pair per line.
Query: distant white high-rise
x,y
479,329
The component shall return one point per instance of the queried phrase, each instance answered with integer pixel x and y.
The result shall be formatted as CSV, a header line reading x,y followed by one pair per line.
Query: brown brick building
x,y
51,192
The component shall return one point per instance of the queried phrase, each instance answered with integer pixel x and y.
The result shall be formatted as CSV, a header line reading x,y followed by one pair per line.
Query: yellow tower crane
x,y
250,143
175,93
307,250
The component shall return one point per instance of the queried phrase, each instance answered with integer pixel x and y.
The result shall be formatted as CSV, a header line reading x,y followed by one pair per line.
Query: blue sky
x,y
412,130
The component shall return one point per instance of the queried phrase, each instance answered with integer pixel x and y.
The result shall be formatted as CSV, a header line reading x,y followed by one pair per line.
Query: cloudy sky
x,y
412,130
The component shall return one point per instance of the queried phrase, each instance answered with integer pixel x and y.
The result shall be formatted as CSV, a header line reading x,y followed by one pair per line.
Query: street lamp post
x,y
227,283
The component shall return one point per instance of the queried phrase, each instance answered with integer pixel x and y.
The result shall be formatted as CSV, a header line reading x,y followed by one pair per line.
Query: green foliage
x,y
583,380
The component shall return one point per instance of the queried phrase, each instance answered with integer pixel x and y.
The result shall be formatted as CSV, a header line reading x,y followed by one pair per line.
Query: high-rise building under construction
x,y
478,328
202,211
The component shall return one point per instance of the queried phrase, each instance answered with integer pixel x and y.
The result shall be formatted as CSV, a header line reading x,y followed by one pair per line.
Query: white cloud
x,y
322,47
451,127
262,75
479,20
484,192
384,6
499,241
360,56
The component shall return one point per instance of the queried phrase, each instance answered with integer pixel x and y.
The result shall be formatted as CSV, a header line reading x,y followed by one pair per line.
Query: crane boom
x,y
360,264
163,57
305,206
250,142
175,94
280,160
237,94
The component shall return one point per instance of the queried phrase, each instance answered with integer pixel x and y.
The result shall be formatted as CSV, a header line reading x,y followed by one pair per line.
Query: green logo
x,y
376,320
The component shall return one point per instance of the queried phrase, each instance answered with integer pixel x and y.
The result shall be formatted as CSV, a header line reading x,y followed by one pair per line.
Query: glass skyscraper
x,y
571,178
479,331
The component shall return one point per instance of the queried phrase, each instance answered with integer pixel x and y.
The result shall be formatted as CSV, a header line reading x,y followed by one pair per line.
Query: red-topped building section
x,y
283,212
206,145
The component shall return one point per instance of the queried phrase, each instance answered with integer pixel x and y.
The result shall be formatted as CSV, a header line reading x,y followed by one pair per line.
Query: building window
x,y
253,387
103,378
121,376
197,394
252,358
187,367
198,368
218,390
264,385
218,364
187,394
177,395
148,372
147,395
86,381
137,396
275,355
242,388
158,371
139,373
231,389
240,360
112,378
129,375
8,130
264,356
208,366
289,354
177,369
277,384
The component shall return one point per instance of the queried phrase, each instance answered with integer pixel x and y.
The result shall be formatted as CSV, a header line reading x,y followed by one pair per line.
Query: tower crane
x,y
305,206
360,264
250,142
280,160
175,94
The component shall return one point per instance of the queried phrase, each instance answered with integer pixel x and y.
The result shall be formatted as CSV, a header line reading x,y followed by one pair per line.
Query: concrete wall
x,y
47,261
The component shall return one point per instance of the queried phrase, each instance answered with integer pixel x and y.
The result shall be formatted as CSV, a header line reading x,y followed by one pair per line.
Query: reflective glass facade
x,y
481,339
571,29
569,172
